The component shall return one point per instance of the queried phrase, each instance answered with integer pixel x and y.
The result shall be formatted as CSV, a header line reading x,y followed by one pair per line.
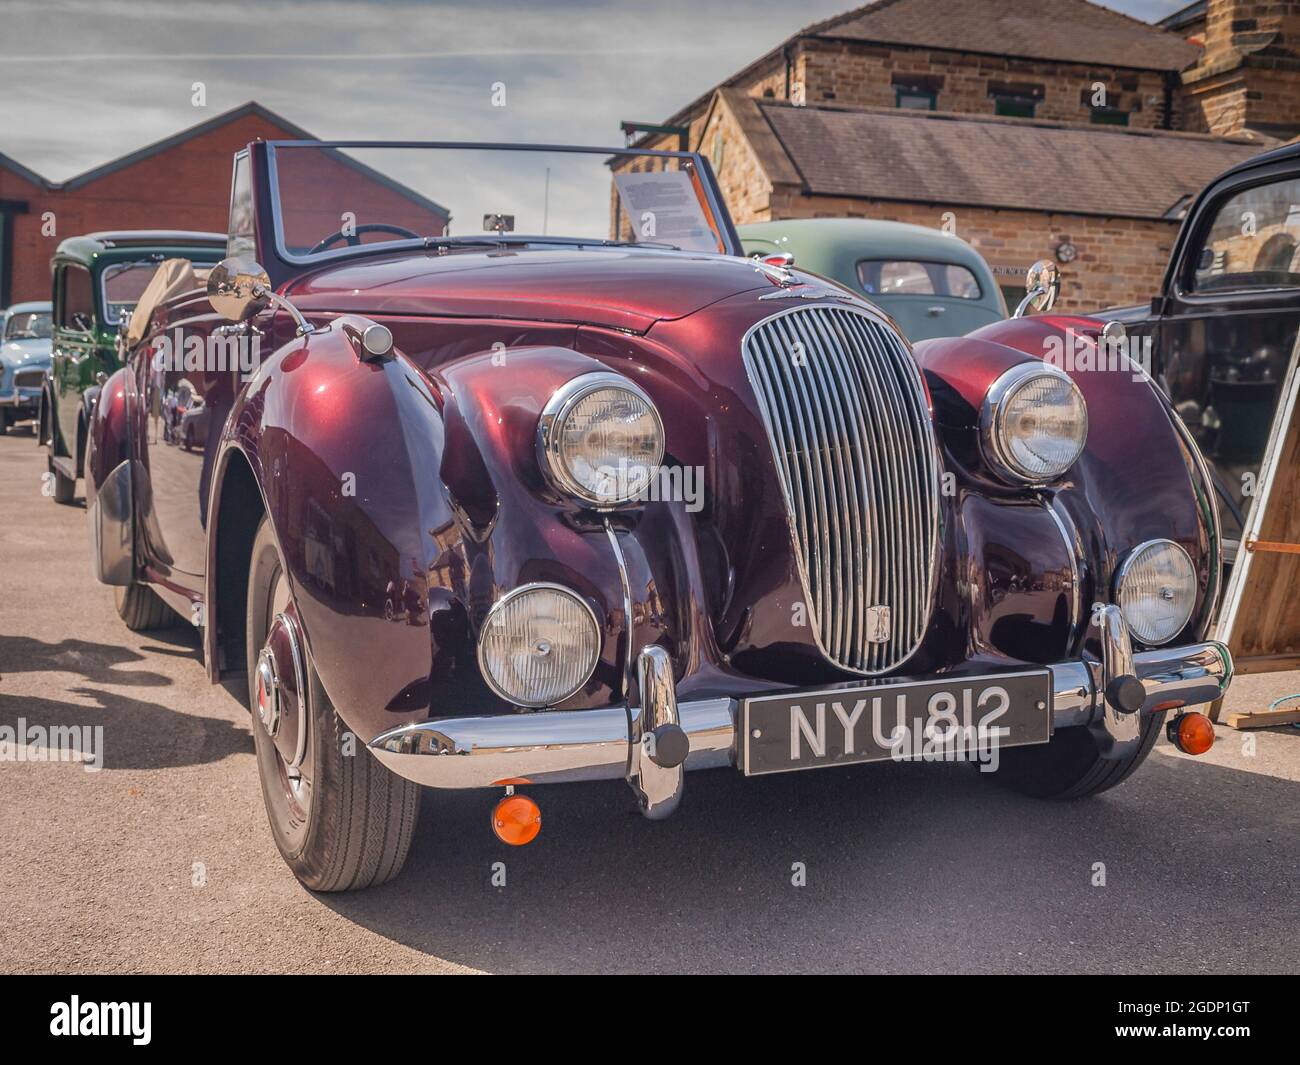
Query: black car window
x,y
1253,242
905,277
76,300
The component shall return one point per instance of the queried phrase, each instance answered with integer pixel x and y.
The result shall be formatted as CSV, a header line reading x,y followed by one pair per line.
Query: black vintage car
x,y
1223,326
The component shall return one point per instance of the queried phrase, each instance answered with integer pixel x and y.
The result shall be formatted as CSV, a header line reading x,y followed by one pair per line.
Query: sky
x,y
85,81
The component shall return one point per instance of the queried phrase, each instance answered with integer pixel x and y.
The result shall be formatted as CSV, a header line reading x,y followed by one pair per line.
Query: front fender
x,y
1140,476
345,454
109,479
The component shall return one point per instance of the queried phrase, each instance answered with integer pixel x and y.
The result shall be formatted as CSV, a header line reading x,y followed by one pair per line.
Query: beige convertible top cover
x,y
172,278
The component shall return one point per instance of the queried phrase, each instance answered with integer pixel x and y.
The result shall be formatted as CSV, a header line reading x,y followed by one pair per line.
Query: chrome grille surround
x,y
857,457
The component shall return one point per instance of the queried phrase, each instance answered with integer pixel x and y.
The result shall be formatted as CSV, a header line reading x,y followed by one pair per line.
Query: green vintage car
x,y
930,283
97,280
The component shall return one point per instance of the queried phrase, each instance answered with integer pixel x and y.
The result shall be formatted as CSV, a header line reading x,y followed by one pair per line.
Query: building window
x,y
1109,116
915,99
1014,106
917,92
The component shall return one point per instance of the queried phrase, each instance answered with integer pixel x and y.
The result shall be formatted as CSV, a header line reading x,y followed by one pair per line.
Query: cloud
x,y
85,82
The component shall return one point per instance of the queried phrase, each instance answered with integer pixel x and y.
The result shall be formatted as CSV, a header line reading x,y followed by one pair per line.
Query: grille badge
x,y
877,624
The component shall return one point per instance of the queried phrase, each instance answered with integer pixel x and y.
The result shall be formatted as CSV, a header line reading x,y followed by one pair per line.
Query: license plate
x,y
872,723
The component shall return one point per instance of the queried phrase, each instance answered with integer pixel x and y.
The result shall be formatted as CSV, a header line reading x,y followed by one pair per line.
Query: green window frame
x,y
918,99
1014,106
1109,116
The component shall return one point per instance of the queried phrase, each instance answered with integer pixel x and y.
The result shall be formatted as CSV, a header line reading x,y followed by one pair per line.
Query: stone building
x,y
1056,129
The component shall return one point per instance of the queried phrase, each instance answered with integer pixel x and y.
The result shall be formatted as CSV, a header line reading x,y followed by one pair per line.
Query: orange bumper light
x,y
1192,733
516,820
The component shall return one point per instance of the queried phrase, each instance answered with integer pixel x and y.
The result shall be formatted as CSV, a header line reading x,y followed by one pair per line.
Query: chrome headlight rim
x,y
553,416
993,409
500,605
1126,567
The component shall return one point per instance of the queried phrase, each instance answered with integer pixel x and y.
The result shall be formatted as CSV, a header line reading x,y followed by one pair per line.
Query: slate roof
x,y
947,158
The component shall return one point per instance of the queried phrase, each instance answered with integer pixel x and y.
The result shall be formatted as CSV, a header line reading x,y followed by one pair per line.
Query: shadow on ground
x,y
908,867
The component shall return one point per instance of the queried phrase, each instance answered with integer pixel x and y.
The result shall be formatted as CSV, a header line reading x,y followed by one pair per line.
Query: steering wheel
x,y
354,238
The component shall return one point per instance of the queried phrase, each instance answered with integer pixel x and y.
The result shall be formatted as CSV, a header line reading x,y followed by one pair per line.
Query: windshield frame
x,y
709,183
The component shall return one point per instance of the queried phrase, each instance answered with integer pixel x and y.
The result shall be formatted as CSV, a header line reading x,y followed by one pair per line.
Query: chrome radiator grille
x,y
854,448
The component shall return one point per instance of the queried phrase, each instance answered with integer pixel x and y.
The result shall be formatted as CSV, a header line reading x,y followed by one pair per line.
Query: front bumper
x,y
556,746
20,398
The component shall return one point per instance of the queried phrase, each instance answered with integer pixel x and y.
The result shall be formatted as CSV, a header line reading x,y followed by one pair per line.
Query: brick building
x,y
182,182
1057,129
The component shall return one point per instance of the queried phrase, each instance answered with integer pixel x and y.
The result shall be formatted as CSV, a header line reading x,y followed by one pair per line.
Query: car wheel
x,y
65,488
4,421
140,608
340,819
1069,767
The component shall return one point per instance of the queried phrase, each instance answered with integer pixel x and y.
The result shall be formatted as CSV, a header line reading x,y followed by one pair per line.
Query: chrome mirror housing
x,y
238,289
1042,287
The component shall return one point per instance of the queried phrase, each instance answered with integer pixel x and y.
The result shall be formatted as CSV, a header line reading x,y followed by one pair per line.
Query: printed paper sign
x,y
663,209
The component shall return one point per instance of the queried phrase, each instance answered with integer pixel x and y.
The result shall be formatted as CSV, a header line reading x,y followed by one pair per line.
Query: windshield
x,y
124,284
29,325
334,197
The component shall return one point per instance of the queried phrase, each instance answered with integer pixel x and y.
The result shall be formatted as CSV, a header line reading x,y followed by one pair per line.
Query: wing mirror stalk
x,y
240,288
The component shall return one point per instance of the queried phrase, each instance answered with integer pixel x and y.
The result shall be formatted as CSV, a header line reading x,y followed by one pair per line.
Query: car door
x,y
187,366
72,351
1230,319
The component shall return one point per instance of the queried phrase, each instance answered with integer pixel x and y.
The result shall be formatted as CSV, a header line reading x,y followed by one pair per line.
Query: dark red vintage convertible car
x,y
594,497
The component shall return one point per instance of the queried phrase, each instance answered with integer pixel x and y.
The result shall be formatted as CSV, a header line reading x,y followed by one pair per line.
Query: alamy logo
x,y
21,742
1076,352
177,353
132,1019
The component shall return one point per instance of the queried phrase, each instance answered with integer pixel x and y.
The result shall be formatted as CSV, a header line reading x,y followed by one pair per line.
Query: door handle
x,y
935,311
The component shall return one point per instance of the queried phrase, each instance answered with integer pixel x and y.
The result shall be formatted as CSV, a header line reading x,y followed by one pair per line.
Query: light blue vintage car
x,y
25,331
931,284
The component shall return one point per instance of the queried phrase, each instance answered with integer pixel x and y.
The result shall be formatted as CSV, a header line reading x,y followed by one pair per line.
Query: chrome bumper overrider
x,y
555,746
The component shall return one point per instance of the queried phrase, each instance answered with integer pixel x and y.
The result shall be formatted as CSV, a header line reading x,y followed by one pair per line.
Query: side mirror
x,y
238,289
1042,287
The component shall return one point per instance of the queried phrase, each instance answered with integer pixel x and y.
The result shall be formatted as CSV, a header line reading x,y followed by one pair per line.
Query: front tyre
x,y
1069,767
341,820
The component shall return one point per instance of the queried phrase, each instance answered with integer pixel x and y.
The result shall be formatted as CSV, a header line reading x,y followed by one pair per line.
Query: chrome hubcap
x,y
268,693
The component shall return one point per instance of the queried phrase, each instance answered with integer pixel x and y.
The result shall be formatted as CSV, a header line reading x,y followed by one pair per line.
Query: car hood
x,y
619,288
30,353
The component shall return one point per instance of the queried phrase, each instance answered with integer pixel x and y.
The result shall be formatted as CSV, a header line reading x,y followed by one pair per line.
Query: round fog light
x,y
1156,590
539,645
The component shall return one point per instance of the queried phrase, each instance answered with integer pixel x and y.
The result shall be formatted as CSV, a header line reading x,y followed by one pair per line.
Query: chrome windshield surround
x,y
858,462
509,597
994,407
713,198
557,408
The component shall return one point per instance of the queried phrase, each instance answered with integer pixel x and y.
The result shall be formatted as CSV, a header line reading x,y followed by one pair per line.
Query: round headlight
x,y
1034,423
1156,590
539,645
601,439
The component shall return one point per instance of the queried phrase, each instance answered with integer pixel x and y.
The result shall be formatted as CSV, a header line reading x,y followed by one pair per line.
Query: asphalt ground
x,y
162,861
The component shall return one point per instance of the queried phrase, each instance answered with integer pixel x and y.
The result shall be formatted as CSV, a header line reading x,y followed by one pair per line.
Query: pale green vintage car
x,y
930,283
